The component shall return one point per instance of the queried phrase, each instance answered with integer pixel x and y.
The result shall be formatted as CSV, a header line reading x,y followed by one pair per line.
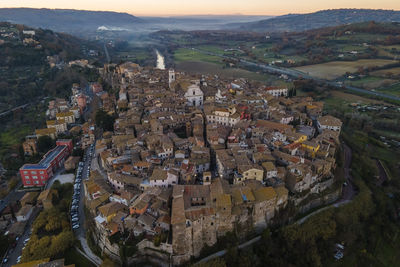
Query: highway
x,y
298,74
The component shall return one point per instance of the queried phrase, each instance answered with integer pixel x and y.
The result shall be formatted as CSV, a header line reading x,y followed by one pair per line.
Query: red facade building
x,y
38,174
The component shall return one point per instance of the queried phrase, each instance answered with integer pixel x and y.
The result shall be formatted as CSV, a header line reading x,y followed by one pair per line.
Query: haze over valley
x,y
199,133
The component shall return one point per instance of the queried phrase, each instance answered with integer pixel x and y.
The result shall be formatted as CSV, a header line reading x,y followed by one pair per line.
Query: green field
x,y
361,37
385,72
392,90
371,82
212,48
185,54
335,69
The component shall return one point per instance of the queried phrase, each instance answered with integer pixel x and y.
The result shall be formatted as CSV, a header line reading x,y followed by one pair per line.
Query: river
x,y
160,61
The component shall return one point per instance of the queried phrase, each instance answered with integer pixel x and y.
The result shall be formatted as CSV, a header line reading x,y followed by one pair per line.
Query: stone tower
x,y
171,76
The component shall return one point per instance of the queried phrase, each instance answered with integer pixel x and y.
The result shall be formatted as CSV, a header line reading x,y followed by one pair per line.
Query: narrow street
x,y
14,253
80,233
13,196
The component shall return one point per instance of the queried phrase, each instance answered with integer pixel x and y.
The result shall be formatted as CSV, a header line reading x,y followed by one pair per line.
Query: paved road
x,y
223,252
349,191
50,182
4,113
382,173
81,231
17,251
96,166
14,195
298,74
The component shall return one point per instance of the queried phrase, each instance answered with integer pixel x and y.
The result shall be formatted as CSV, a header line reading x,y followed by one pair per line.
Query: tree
x,y
61,242
218,262
107,263
45,143
104,121
53,223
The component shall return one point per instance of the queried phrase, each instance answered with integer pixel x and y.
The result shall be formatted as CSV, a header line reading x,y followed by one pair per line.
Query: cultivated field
x,y
395,71
372,82
335,69
185,54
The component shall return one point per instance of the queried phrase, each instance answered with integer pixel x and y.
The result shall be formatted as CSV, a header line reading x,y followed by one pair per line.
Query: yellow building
x,y
311,146
110,210
249,172
302,138
46,131
60,125
69,117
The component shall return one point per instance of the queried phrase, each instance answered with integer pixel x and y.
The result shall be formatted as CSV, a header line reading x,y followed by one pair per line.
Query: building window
x,y
34,177
27,182
26,177
41,172
33,172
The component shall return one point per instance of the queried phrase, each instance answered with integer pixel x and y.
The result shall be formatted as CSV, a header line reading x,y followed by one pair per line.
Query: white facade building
x,y
194,96
163,178
330,123
224,117
277,91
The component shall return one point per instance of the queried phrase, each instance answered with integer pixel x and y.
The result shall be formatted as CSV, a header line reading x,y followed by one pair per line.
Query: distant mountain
x,y
320,19
198,22
68,20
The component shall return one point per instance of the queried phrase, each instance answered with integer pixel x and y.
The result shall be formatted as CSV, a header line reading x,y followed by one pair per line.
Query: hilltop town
x,y
243,146
193,157
184,160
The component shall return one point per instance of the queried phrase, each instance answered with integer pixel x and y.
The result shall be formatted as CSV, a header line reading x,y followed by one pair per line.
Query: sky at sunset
x,y
197,7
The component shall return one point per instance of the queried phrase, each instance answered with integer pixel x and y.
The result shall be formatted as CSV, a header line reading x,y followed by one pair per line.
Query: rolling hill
x,y
320,19
25,71
68,20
